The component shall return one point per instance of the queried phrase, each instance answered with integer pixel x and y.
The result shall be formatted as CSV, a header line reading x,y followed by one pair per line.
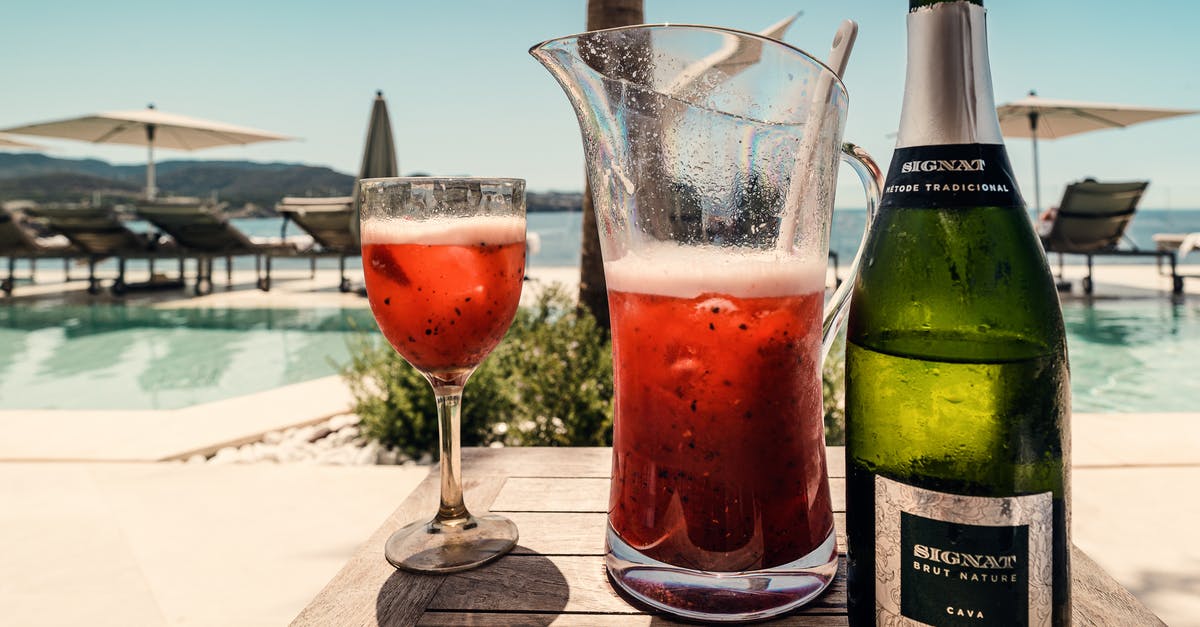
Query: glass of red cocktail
x,y
712,156
444,261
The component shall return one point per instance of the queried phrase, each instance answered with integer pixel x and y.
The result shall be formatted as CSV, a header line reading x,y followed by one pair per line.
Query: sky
x,y
466,99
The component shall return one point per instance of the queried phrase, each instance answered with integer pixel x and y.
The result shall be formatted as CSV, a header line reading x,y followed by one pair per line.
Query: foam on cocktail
x,y
472,231
668,269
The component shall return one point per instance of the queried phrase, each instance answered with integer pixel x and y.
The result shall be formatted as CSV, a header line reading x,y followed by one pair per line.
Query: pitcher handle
x,y
872,179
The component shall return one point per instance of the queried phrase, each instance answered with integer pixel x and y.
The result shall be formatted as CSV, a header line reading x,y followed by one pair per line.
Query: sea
x,y
558,234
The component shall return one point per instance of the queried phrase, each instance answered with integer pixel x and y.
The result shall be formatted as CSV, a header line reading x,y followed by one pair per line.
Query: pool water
x,y
1126,356
123,357
1134,355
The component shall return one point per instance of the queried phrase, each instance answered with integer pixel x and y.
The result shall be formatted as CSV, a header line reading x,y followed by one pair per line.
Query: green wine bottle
x,y
957,386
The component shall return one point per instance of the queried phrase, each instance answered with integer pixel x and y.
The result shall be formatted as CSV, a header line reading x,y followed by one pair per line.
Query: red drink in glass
x,y
444,292
718,447
444,259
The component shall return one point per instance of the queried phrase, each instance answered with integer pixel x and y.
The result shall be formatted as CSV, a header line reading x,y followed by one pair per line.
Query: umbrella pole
x,y
1037,183
151,191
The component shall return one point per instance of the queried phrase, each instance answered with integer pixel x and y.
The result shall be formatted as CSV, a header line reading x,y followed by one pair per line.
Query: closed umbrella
x,y
1036,118
151,128
379,155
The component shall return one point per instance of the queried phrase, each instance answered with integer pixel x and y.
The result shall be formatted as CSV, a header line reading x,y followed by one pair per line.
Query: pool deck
x,y
97,528
165,435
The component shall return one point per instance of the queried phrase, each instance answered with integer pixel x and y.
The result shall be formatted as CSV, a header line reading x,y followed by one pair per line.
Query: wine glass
x,y
444,260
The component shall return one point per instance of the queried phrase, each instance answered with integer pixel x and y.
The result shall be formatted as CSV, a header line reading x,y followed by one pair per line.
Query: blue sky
x,y
466,98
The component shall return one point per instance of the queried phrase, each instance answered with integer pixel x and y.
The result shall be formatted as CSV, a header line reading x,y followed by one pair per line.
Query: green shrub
x,y
833,384
548,383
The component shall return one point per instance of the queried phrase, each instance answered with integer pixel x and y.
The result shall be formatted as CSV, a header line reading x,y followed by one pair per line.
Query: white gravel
x,y
337,441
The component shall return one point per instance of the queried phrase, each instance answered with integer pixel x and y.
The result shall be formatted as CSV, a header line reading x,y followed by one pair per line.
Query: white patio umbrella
x,y
150,128
8,142
1036,118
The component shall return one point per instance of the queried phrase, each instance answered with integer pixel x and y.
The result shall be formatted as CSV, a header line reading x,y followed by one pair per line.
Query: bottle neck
x,y
948,87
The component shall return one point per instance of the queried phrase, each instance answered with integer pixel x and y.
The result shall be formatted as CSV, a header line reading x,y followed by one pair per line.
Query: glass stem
x,y
449,410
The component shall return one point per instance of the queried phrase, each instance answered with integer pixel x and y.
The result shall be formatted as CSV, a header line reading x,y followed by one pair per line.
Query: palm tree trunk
x,y
593,293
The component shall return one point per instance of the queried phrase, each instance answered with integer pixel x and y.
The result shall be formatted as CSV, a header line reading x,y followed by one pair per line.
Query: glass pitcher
x,y
712,156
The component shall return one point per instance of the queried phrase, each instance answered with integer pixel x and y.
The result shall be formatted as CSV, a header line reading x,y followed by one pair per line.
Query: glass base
x,y
721,597
447,547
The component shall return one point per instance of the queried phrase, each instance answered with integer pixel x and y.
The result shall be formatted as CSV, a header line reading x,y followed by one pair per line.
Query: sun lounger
x,y
1091,220
327,220
98,234
1180,243
19,241
204,233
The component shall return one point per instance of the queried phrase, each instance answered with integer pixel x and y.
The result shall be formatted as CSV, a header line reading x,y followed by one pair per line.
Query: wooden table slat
x,y
837,493
533,494
590,494
584,461
1099,600
835,460
559,533
576,533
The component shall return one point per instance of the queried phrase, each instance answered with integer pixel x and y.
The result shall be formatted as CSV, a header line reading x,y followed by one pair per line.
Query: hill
x,y
64,186
240,183
249,187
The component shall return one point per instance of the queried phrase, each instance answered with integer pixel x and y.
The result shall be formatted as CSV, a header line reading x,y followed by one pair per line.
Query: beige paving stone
x,y
67,559
1135,439
147,435
1139,524
181,544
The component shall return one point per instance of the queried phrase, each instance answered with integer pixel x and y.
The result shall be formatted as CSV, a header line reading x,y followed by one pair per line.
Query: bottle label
x,y
951,176
947,559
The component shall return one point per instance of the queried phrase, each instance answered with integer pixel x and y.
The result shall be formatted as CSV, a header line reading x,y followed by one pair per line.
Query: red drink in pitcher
x,y
718,448
444,291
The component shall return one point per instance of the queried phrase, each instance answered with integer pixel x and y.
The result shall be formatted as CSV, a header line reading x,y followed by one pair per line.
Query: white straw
x,y
843,43
804,174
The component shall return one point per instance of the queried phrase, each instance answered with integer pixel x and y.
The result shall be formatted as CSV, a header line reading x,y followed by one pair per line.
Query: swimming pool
x,y
125,357
1134,355
1126,356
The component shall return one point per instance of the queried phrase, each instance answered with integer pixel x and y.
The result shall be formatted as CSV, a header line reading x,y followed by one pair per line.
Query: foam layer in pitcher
x,y
669,269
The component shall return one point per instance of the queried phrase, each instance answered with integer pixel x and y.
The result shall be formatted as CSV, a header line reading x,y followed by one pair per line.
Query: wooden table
x,y
558,498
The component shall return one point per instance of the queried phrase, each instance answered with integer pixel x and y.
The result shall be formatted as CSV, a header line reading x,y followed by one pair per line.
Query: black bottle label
x,y
951,176
948,559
